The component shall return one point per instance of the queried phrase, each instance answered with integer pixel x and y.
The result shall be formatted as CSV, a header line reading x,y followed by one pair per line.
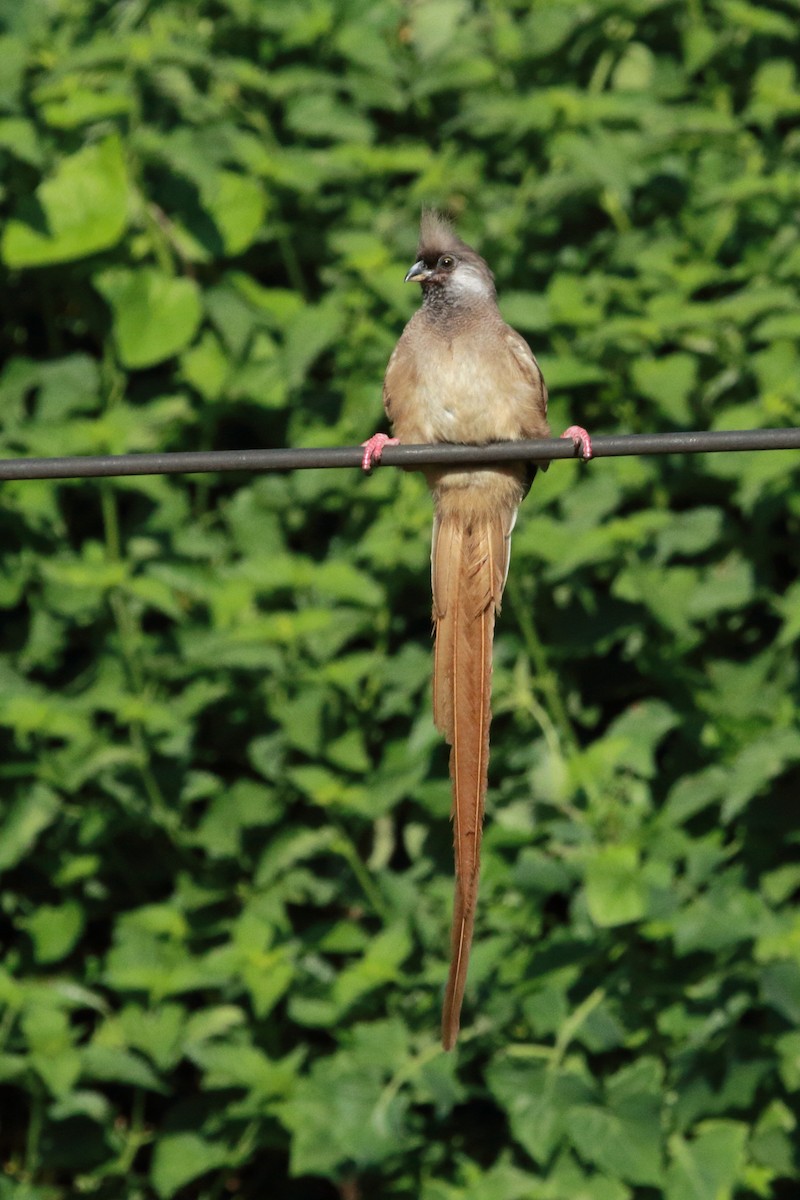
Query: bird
x,y
460,374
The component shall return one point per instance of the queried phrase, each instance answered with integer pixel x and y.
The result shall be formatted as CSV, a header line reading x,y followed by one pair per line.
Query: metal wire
x,y
440,454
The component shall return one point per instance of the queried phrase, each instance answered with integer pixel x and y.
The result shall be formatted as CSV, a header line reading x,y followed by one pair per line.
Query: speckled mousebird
x,y
459,373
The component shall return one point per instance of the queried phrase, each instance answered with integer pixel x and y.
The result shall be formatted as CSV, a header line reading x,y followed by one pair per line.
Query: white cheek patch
x,y
467,281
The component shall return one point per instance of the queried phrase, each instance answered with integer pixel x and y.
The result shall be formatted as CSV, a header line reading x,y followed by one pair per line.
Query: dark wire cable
x,y
541,450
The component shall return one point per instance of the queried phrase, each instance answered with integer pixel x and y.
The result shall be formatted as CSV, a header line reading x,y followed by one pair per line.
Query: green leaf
x,y
237,205
112,1064
18,136
709,1166
234,1065
155,316
380,965
28,816
206,366
624,1138
81,209
12,67
788,1046
690,533
181,1157
627,1147
52,1055
692,793
526,311
773,1140
780,989
615,889
342,1112
324,117
639,732
669,381
158,1033
538,1100
81,106
54,930
725,586
310,332
726,914
757,765
636,69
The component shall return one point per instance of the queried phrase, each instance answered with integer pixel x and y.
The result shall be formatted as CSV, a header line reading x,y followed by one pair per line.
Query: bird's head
x,y
448,269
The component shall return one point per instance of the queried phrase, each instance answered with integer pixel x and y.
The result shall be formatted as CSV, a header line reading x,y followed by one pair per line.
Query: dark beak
x,y
419,272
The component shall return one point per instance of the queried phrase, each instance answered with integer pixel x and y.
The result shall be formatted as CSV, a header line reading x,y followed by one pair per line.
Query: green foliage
x,y
225,860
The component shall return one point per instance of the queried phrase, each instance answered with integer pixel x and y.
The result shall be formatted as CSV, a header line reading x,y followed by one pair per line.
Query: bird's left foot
x,y
580,440
373,449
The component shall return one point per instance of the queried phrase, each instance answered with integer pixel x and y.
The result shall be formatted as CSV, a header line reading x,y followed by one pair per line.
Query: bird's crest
x,y
436,235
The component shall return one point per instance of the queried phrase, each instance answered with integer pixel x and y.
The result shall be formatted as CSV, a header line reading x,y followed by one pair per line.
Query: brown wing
x,y
535,417
400,388
387,387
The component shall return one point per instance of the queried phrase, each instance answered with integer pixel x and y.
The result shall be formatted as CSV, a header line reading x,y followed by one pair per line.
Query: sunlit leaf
x,y
80,209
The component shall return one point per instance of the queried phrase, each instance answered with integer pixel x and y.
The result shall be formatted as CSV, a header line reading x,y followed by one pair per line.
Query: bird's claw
x,y
580,440
373,449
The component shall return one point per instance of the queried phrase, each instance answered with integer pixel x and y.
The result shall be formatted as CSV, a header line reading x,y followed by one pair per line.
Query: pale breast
x,y
465,388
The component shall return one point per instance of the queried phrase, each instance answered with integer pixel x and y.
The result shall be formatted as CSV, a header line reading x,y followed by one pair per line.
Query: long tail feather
x,y
469,562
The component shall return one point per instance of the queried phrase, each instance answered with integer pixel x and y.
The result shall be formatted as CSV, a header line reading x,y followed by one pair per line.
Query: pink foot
x,y
580,440
373,449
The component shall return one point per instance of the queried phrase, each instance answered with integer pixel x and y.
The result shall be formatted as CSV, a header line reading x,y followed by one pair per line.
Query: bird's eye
x,y
447,261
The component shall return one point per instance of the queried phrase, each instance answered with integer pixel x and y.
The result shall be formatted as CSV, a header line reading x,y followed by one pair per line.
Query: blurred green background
x,y
225,849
